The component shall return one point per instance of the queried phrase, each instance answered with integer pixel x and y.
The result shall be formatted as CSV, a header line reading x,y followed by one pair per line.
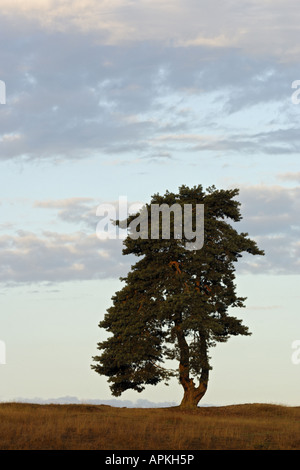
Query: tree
x,y
175,303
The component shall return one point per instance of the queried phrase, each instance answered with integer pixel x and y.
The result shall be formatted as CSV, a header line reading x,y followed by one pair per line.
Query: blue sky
x,y
122,98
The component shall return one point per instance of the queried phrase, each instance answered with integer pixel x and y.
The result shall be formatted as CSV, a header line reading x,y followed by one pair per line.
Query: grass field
x,y
90,427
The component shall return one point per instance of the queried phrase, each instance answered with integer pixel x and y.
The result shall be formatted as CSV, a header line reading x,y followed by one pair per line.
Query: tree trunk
x,y
192,394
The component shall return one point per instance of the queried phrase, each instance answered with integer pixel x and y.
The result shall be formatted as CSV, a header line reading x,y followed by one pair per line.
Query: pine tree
x,y
175,303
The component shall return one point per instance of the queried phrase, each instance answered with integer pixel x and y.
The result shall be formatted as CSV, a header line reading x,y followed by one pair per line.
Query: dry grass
x,y
90,427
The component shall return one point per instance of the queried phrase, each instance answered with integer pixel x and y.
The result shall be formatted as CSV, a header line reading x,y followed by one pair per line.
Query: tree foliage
x,y
175,303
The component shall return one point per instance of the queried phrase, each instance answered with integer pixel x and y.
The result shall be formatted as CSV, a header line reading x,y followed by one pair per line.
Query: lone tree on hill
x,y
174,304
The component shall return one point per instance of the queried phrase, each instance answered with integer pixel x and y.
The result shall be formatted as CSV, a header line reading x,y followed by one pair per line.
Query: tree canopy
x,y
175,303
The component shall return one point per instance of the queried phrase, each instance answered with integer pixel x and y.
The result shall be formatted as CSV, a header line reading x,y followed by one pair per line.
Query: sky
x,y
115,99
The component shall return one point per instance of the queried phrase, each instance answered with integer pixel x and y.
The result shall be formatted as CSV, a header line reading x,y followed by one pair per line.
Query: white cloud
x,y
54,257
262,27
80,108
270,216
290,176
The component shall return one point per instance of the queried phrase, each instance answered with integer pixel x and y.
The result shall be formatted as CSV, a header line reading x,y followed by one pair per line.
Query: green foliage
x,y
174,304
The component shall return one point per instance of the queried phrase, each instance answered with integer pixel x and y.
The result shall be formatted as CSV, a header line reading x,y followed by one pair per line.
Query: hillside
x,y
93,427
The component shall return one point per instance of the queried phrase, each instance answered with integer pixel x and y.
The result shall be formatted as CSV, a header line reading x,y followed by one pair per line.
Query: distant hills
x,y
140,403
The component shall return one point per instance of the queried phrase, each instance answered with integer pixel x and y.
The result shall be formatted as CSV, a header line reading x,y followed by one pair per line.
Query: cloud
x,y
78,210
83,211
270,216
273,142
56,257
290,176
70,95
260,27
75,94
